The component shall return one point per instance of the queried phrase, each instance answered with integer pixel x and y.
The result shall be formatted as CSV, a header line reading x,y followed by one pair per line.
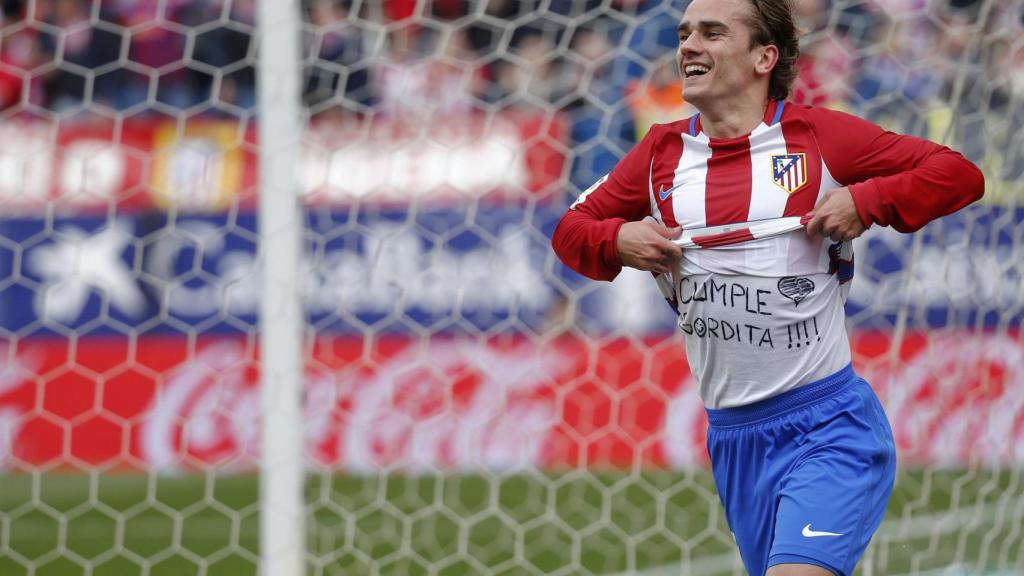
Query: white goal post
x,y
281,126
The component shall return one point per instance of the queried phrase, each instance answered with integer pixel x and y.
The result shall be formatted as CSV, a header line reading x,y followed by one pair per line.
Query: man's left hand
x,y
836,217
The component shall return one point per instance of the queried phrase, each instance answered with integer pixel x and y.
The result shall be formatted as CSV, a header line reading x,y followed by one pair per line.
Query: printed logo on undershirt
x,y
789,171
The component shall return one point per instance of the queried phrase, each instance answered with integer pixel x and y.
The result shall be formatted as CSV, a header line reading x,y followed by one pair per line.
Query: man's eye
x,y
713,34
683,37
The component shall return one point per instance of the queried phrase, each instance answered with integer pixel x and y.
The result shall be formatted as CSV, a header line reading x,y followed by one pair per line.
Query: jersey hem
x,y
783,403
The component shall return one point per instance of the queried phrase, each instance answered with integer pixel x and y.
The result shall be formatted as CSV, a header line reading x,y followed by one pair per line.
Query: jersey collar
x,y
772,115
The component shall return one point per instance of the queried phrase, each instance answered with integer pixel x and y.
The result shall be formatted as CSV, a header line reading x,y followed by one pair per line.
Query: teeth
x,y
695,68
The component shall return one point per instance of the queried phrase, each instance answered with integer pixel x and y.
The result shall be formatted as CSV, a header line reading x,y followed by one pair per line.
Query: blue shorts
x,y
804,476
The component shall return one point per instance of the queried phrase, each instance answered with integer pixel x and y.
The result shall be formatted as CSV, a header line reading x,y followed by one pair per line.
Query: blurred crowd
x,y
919,66
127,55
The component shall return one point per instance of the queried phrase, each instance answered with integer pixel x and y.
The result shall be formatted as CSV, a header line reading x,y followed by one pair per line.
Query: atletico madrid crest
x,y
789,171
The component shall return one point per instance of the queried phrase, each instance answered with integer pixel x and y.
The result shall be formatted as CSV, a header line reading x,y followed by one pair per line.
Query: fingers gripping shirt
x,y
763,316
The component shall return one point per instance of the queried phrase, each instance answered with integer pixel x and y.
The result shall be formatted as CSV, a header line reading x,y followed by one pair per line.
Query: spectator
x,y
19,54
601,125
589,64
893,88
528,80
155,47
85,46
225,75
960,63
426,75
658,97
457,66
340,70
826,63
1006,75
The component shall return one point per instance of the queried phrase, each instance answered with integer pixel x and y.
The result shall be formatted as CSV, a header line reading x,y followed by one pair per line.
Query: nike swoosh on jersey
x,y
808,533
664,194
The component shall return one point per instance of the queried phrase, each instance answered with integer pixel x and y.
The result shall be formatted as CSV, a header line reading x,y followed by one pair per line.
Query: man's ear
x,y
767,57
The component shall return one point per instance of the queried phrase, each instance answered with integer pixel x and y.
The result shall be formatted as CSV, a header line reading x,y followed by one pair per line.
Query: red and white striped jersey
x,y
766,315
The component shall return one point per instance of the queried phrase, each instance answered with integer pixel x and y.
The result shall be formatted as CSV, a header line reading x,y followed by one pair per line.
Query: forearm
x,y
587,244
942,184
895,180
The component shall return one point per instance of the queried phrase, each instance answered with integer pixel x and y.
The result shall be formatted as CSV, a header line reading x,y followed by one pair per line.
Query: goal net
x,y
470,405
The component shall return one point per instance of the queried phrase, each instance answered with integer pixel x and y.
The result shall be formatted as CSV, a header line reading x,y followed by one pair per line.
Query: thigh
x,y
747,492
798,570
834,498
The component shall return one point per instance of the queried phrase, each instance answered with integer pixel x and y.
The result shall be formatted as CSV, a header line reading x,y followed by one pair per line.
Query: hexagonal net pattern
x,y
471,405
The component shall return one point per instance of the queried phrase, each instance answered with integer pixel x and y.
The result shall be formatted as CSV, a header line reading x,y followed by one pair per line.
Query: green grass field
x,y
655,523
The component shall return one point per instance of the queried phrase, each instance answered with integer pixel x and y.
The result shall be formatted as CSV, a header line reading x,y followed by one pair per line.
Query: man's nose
x,y
688,49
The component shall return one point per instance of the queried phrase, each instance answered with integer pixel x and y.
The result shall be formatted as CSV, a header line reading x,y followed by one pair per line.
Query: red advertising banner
x,y
462,404
208,165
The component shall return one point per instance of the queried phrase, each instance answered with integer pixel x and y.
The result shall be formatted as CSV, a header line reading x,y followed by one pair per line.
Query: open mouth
x,y
691,70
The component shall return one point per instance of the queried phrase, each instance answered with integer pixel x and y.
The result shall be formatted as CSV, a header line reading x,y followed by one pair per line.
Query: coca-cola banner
x,y
475,404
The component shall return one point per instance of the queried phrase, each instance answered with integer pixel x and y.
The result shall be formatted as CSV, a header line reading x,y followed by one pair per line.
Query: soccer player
x,y
801,451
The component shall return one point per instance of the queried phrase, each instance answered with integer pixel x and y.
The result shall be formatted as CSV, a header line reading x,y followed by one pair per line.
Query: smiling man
x,y
802,453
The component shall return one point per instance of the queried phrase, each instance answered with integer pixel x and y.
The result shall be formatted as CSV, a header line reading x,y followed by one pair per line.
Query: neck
x,y
736,118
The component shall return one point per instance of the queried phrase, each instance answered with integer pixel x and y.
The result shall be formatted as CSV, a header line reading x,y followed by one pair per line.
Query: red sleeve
x,y
585,237
896,180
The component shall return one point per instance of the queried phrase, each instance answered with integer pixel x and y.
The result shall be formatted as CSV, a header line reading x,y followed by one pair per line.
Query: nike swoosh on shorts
x,y
808,533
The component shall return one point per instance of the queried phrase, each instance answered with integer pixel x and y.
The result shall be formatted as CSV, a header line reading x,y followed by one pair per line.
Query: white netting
x,y
472,406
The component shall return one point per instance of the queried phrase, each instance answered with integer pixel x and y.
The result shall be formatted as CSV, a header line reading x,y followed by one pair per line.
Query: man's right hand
x,y
647,245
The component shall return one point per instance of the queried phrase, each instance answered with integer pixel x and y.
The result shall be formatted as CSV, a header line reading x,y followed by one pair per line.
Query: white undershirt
x,y
760,318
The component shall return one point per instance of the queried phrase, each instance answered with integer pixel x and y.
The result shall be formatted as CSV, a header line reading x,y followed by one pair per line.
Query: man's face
x,y
714,56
